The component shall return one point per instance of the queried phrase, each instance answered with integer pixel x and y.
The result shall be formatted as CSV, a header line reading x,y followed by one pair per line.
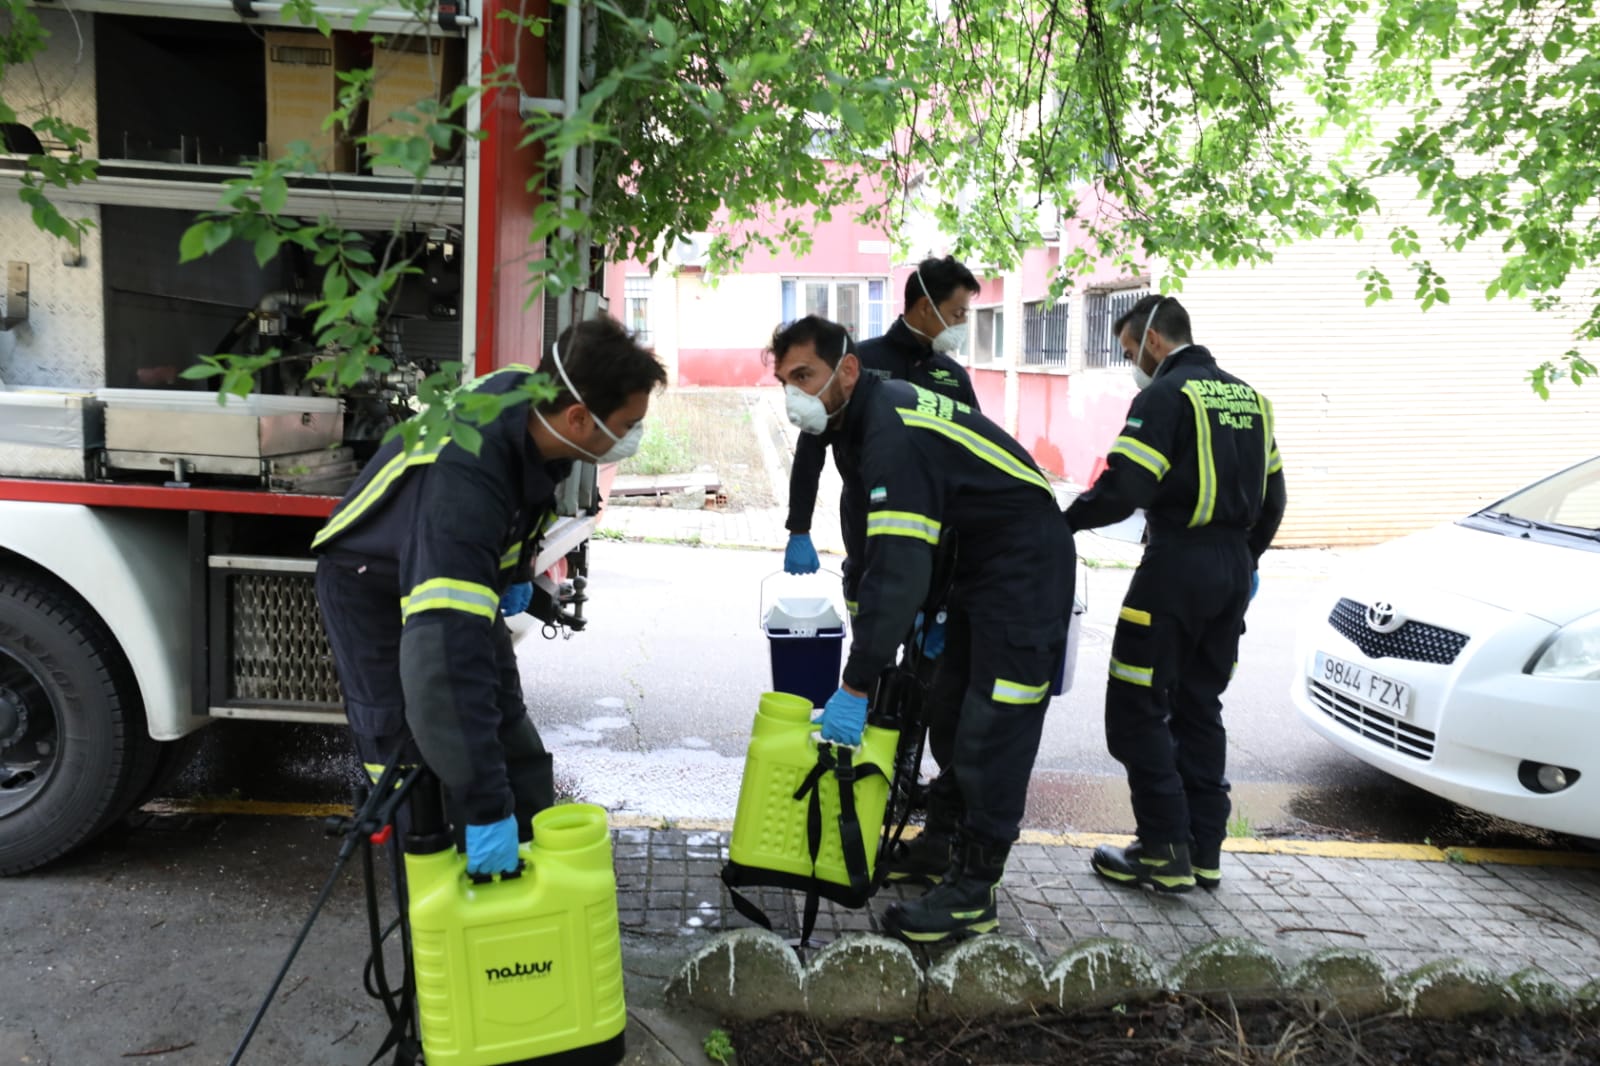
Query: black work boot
x,y
921,860
1164,867
963,902
1207,865
925,858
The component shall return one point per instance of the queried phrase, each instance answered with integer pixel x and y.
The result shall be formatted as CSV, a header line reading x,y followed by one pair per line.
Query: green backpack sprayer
x,y
515,970
819,818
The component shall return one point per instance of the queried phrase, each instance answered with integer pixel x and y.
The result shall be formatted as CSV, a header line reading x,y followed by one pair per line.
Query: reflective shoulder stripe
x,y
1016,693
1133,675
1134,615
374,490
903,524
1205,504
448,594
978,445
1140,452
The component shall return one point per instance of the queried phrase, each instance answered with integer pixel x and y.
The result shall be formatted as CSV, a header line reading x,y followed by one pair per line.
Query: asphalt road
x,y
648,713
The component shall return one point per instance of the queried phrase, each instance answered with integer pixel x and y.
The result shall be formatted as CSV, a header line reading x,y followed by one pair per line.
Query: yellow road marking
x,y
1323,849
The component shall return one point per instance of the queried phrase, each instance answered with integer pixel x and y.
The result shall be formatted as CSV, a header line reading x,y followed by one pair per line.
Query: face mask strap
x,y
917,271
555,355
1151,317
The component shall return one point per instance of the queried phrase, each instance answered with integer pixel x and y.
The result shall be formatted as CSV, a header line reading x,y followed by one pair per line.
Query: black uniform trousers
x,y
1174,652
361,616
1004,638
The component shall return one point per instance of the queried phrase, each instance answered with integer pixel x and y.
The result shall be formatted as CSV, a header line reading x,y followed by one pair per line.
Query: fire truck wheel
x,y
74,752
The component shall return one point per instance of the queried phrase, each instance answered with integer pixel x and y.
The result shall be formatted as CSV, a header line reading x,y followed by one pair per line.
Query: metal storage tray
x,y
197,424
48,433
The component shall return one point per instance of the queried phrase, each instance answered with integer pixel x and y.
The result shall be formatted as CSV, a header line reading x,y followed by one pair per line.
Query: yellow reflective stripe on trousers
x,y
377,487
1205,504
1133,675
448,594
902,524
1139,452
978,445
1134,615
1015,692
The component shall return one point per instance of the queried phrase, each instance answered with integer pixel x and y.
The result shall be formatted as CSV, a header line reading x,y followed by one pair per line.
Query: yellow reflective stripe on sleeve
x,y
1274,460
978,445
1016,693
509,559
375,489
1134,615
851,607
448,594
1133,675
1139,452
902,524
1205,504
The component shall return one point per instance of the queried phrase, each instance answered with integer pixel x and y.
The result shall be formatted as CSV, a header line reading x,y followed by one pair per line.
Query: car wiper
x,y
1547,527
1512,520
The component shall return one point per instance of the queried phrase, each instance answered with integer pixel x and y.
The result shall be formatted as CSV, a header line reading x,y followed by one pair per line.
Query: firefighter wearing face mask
x,y
929,465
1199,456
918,349
431,549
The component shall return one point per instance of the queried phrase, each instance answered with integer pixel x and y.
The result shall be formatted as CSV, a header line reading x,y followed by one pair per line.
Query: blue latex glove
x,y
1255,582
492,849
843,718
515,599
931,639
800,557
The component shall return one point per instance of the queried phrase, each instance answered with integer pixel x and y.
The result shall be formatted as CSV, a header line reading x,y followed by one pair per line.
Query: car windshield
x,y
1569,500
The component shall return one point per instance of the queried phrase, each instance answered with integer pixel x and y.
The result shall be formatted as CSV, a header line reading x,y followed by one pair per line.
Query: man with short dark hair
x,y
428,553
1198,454
930,467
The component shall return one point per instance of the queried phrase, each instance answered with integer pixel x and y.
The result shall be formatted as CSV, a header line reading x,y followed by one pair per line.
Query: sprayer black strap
x,y
846,774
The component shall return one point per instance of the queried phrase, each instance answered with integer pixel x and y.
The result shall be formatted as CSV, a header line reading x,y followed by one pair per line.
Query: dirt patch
x,y
711,430
1180,1031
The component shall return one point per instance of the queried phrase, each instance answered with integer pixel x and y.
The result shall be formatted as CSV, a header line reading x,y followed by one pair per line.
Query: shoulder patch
x,y
879,494
1135,423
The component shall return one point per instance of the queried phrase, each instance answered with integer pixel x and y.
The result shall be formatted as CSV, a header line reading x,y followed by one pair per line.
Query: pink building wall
x,y
990,385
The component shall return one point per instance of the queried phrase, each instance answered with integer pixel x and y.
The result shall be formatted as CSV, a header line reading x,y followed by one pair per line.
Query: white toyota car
x,y
1466,659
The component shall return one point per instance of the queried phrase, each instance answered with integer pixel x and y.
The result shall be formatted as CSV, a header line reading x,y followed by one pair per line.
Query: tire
x,y
74,750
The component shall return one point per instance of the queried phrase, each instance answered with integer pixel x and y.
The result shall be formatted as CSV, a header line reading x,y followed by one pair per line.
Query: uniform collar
x,y
902,336
1183,353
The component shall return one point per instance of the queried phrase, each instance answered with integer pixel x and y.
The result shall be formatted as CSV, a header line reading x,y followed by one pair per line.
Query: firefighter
x,y
928,466
1199,456
918,348
428,553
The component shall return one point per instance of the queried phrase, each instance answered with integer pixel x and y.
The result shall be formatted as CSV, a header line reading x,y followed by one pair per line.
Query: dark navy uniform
x,y
413,563
898,355
930,465
1198,453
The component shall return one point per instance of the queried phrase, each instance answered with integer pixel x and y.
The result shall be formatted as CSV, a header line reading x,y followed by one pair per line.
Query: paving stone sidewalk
x,y
1408,913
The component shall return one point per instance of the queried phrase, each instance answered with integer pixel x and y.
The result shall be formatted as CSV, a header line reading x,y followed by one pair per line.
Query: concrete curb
x,y
753,973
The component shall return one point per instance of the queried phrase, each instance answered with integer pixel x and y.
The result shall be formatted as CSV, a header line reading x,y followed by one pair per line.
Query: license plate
x,y
1383,693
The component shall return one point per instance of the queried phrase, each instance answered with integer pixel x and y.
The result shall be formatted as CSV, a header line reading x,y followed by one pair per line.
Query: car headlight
x,y
1573,653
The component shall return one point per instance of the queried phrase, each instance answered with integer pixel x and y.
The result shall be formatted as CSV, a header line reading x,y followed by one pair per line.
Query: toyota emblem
x,y
1383,618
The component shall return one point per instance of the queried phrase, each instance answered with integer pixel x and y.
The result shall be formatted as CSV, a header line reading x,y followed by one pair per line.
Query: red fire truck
x,y
155,571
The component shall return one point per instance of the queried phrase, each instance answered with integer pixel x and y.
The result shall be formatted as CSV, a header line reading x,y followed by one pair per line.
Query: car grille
x,y
1376,726
1417,642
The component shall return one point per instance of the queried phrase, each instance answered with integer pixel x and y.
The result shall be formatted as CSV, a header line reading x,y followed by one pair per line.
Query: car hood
x,y
1550,581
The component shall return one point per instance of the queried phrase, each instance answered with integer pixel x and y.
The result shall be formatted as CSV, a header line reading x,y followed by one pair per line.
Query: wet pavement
x,y
157,942
648,713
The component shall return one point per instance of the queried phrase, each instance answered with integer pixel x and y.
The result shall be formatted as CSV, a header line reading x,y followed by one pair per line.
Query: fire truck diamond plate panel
x,y
279,651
